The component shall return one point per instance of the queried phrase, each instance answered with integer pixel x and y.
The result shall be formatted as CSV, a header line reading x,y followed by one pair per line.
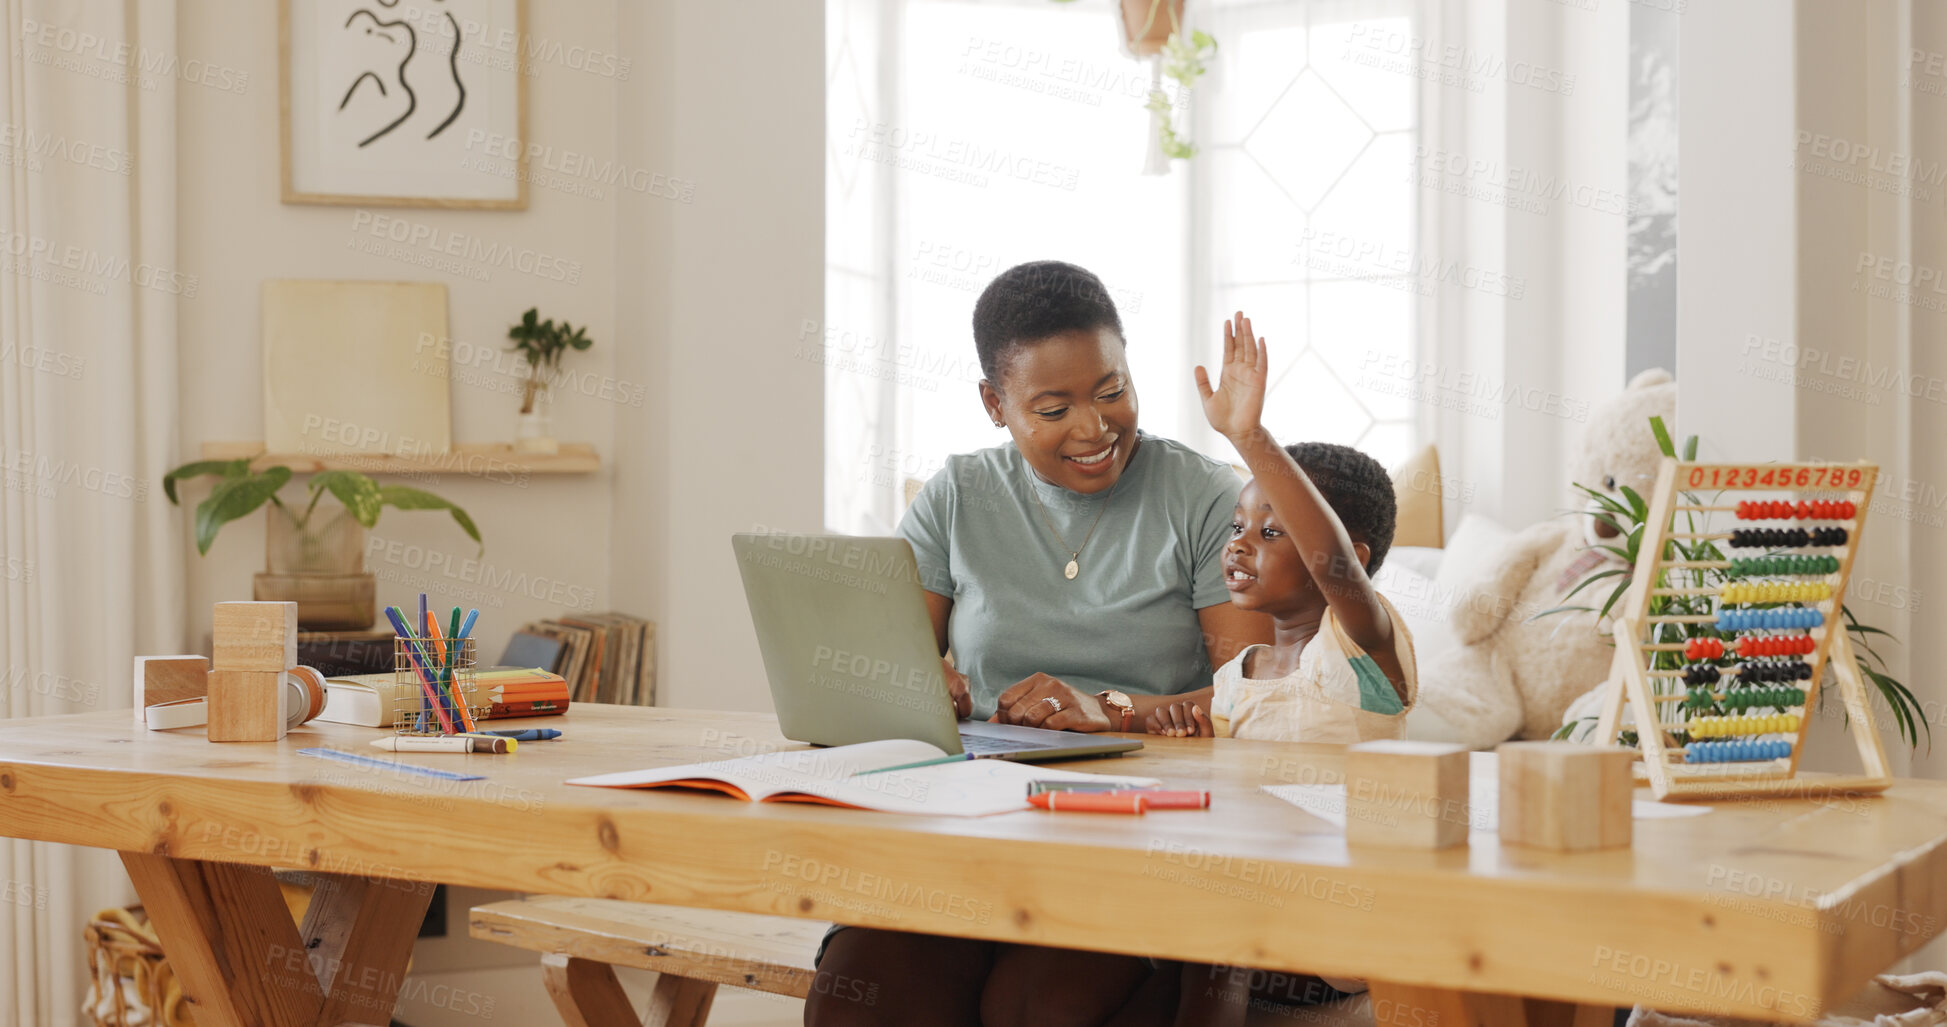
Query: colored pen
x,y
444,743
431,691
921,763
1091,802
1037,787
1161,799
532,734
1156,798
448,686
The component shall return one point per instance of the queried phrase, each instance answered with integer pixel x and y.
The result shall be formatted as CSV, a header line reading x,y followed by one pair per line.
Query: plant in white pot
x,y
313,556
541,343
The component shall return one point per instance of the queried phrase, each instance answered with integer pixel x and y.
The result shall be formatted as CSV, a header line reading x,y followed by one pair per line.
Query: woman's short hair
x,y
1358,489
1030,302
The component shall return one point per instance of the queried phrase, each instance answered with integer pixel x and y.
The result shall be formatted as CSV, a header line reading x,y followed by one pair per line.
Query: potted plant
x,y
313,556
541,343
1626,517
1153,29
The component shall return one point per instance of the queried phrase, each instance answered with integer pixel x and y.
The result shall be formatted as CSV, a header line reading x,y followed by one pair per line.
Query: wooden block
x,y
1565,796
246,705
1408,794
161,679
254,636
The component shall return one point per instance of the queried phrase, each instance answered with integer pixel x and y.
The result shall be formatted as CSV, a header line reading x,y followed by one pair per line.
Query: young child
x,y
1311,526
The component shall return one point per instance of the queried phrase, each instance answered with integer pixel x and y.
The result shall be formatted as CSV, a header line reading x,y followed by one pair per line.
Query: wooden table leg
x,y
586,994
358,934
244,963
229,936
1406,1005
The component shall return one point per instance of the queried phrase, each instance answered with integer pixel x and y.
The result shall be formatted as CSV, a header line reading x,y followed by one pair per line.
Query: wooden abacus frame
x,y
1630,674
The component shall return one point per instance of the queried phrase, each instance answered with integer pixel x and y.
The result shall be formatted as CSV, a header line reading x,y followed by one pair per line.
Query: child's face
x,y
1261,565
1070,406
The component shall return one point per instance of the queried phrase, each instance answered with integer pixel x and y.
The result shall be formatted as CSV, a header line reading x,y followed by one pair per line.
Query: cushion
x,y
1417,487
1471,553
1422,560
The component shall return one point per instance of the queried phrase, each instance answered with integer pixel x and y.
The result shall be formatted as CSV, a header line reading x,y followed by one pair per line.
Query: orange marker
x,y
1091,802
1172,800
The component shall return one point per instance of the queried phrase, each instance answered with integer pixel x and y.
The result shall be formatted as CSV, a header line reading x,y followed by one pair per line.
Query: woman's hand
x,y
1044,701
959,688
1236,406
1180,720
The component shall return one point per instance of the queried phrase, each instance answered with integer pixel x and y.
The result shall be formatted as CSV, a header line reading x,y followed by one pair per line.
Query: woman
x,y
1076,574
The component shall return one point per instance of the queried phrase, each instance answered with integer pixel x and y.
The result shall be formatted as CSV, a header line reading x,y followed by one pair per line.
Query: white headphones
x,y
304,696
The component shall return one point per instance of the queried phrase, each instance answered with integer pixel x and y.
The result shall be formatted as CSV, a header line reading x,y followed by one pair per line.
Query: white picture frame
x,y
415,104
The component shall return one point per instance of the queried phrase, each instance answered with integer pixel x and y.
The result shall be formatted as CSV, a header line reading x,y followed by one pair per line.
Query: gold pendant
x,y
1071,570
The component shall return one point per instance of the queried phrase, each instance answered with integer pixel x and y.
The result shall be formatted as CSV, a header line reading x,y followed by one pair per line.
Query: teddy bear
x,y
1513,674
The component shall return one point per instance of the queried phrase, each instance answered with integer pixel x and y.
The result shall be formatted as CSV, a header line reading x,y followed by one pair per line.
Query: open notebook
x,y
966,788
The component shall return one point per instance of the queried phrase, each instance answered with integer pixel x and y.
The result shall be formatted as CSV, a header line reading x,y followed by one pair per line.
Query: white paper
x,y
1327,802
966,788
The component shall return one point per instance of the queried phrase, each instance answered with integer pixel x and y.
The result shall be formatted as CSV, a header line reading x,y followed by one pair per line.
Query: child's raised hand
x,y
1236,406
1180,720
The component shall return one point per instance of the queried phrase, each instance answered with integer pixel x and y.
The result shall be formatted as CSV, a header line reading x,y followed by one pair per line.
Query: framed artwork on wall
x,y
416,103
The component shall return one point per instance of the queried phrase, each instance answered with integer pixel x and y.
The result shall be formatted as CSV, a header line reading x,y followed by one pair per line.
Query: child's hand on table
x,y
1180,720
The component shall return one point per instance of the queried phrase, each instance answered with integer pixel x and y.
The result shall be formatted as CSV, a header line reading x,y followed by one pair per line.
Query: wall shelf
x,y
481,460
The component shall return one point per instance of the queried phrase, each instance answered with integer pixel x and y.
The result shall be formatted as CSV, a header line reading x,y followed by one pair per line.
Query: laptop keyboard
x,y
978,745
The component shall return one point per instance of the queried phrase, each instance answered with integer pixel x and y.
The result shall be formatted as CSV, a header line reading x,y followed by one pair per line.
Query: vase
x,y
1147,24
535,431
320,566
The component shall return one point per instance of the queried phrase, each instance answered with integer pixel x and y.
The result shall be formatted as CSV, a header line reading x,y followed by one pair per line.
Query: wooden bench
x,y
692,951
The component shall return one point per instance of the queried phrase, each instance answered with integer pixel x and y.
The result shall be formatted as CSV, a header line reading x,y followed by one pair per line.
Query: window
x,y
968,137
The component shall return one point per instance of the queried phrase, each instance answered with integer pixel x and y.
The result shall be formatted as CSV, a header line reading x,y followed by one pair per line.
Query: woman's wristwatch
x,y
1114,700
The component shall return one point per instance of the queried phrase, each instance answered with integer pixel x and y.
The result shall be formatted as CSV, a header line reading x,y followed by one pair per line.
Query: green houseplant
x,y
312,556
1627,517
1154,29
541,344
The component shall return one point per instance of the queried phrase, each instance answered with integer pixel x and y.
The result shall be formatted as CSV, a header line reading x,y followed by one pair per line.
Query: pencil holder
x,y
433,679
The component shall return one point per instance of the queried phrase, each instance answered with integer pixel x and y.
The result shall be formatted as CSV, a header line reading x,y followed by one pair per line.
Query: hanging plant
x,y
1172,55
1627,517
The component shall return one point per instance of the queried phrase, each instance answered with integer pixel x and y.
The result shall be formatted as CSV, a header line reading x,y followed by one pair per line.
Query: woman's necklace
x,y
1074,555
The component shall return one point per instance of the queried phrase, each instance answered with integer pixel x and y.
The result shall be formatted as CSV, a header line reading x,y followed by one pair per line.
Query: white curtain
x,y
90,551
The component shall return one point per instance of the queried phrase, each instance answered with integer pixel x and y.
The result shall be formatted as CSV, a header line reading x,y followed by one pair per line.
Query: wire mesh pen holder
x,y
448,666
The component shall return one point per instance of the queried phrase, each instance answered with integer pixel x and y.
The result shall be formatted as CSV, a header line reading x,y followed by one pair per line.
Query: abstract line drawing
x,y
453,63
412,47
378,96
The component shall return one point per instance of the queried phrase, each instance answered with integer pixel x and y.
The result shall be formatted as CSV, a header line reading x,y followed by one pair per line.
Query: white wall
x,y
735,439
696,300
1563,338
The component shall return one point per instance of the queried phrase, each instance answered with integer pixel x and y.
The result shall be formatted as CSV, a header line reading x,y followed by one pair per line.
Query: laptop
x,y
850,654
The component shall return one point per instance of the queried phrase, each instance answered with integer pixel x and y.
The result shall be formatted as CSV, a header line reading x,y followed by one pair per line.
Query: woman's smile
x,y
1097,461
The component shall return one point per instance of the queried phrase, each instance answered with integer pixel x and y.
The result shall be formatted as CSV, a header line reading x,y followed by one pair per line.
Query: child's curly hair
x,y
1359,491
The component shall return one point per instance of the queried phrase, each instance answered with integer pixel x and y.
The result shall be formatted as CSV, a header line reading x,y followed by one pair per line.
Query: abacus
x,y
1741,696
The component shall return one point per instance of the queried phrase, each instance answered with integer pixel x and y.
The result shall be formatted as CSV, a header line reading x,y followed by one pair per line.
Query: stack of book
x,y
604,657
522,692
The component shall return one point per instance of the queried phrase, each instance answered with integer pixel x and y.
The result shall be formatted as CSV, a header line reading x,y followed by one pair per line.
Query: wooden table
x,y
1774,908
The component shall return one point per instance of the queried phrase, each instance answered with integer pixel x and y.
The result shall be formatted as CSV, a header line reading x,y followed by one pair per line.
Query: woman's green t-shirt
x,y
1129,618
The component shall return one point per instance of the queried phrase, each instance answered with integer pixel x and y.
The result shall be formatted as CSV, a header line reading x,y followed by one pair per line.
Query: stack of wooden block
x,y
255,643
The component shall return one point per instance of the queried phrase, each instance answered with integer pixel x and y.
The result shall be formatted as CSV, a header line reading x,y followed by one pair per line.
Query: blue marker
x,y
532,734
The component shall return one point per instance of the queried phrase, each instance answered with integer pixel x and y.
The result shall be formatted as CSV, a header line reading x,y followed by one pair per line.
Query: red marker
x,y
1091,802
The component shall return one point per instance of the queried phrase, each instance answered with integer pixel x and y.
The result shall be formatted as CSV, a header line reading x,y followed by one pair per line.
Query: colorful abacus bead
x,y
1701,674
1703,649
1828,537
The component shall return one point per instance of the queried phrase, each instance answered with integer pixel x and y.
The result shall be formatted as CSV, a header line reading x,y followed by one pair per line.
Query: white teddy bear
x,y
1511,673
